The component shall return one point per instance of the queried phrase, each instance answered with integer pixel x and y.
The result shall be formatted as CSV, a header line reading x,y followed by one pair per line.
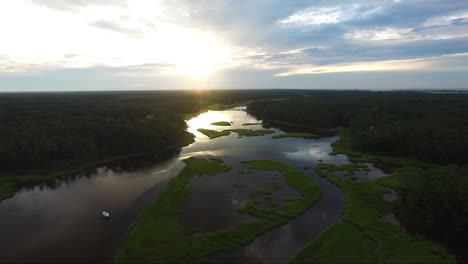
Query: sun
x,y
200,62
185,50
202,56
198,70
195,53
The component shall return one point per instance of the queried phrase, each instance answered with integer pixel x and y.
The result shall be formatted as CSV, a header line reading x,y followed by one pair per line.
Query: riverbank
x,y
11,182
369,237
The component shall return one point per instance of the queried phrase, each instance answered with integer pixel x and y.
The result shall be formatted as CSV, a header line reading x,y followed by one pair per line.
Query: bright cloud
x,y
329,15
382,34
447,20
37,35
444,61
408,34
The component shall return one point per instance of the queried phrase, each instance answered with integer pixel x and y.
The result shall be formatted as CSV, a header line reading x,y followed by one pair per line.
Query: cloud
x,y
409,34
96,35
383,34
74,5
330,15
456,18
445,62
258,42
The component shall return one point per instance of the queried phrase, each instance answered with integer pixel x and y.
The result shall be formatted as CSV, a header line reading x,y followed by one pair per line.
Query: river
x,y
61,220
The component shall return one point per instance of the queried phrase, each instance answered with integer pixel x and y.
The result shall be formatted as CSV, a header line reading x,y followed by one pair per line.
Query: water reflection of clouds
x,y
236,203
310,152
203,153
314,150
159,172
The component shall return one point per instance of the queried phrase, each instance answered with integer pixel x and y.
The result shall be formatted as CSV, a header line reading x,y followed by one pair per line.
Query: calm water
x,y
61,220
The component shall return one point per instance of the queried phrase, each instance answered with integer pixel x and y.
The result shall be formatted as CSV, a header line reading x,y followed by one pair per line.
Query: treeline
x,y
46,130
432,127
434,202
50,130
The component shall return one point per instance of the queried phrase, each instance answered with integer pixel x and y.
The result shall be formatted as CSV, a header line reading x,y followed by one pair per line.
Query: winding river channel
x,y
61,220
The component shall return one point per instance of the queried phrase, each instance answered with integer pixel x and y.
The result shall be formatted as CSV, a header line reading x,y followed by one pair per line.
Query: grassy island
x,y
213,133
159,237
241,132
251,132
221,123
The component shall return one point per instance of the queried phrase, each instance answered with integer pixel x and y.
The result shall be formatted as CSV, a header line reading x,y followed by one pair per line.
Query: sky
x,y
70,45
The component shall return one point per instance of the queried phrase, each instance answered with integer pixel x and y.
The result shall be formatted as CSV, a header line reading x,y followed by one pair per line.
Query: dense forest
x,y
51,130
433,200
39,129
45,130
432,127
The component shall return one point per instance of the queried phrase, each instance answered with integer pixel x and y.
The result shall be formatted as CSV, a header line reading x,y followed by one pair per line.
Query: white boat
x,y
105,214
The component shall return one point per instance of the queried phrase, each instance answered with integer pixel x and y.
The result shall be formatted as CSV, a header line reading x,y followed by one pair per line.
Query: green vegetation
x,y
221,123
44,136
51,131
6,190
252,133
423,126
10,182
344,146
434,202
241,132
365,229
310,193
295,135
213,133
47,135
350,169
159,237
341,243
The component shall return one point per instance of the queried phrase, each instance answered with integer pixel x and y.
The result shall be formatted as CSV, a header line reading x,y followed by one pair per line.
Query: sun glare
x,y
195,53
201,55
143,32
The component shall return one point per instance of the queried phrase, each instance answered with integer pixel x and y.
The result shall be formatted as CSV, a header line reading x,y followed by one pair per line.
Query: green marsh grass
x,y
368,238
213,133
221,123
159,237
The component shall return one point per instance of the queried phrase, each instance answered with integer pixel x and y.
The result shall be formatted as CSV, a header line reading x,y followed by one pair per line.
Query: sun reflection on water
x,y
204,121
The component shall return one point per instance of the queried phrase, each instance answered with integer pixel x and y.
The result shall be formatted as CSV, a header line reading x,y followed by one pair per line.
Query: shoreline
x,y
14,181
